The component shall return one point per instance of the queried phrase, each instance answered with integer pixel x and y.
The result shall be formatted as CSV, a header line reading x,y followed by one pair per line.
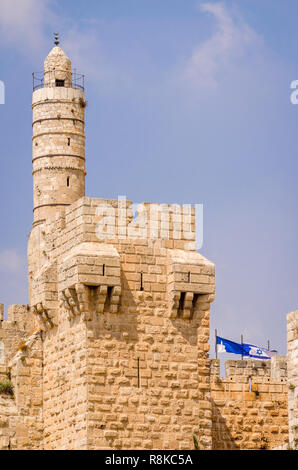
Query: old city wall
x,y
8,420
21,422
292,354
250,405
13,331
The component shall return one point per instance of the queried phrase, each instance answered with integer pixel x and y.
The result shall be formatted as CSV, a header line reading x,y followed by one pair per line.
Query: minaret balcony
x,y
58,78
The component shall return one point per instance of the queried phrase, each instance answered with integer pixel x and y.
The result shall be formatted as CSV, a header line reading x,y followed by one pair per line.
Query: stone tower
x,y
111,351
58,138
58,106
123,318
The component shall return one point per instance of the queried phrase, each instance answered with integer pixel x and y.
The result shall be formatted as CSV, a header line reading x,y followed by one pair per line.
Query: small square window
x,y
59,82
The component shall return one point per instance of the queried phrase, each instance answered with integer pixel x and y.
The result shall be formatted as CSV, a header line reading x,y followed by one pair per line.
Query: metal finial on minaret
x,y
56,42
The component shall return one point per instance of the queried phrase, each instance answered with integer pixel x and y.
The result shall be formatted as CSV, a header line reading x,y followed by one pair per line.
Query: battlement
x,y
86,246
13,331
113,221
242,370
250,404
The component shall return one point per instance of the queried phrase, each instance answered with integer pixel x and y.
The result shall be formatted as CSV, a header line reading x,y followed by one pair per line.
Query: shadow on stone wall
x,y
221,436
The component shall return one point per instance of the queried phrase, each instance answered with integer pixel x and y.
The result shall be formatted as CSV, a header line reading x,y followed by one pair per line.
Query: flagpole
x,y
215,343
241,345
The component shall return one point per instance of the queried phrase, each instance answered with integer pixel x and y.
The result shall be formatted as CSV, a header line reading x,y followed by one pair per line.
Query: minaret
x,y
58,106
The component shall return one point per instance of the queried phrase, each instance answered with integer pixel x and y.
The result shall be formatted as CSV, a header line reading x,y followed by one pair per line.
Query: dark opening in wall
x,y
194,301
68,141
108,298
68,181
181,305
59,82
141,286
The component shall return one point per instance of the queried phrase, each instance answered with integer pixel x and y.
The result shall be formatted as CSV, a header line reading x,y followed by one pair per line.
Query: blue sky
x,y
188,102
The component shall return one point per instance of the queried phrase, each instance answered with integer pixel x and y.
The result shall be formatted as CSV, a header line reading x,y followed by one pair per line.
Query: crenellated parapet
x,y
249,405
14,329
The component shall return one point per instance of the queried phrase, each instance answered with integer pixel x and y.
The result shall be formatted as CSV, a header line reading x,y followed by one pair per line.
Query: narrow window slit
x,y
138,372
68,181
68,141
108,298
103,269
181,304
141,288
194,301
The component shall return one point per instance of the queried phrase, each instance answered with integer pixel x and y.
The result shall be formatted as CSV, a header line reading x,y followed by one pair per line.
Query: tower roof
x,y
57,59
57,51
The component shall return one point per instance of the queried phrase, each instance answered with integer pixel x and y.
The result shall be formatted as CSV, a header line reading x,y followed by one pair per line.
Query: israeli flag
x,y
245,350
227,346
250,350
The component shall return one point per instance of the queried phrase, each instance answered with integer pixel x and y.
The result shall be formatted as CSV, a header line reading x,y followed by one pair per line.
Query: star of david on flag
x,y
256,352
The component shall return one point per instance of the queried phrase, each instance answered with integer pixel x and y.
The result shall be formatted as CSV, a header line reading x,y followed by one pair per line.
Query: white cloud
x,y
85,50
226,46
88,56
22,22
25,25
11,261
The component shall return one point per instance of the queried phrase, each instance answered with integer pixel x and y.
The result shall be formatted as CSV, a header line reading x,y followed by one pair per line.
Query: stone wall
x,y
292,330
13,331
8,421
249,406
21,421
65,385
144,390
26,370
126,324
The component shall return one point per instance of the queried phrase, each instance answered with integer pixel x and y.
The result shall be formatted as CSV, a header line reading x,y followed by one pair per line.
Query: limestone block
x,y
190,281
89,280
44,286
92,264
45,315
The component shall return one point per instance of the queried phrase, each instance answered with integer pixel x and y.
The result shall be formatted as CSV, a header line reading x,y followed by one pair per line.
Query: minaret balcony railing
x,y
78,80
